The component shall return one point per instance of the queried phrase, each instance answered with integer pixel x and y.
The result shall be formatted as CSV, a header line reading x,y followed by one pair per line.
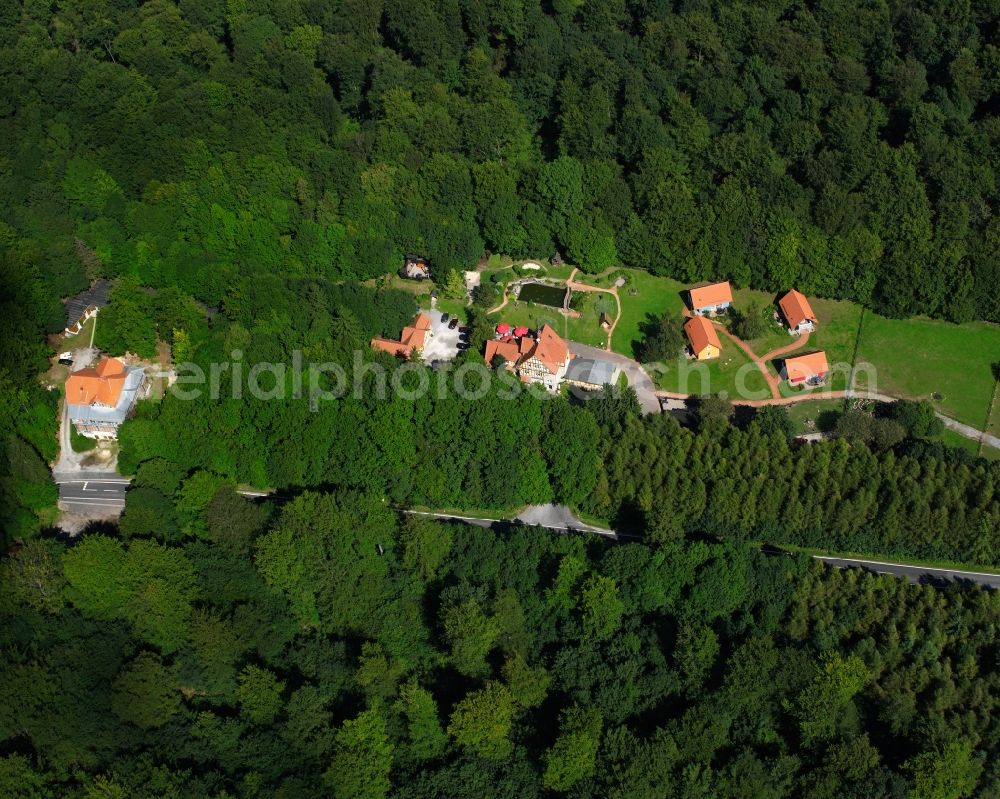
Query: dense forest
x,y
329,647
843,147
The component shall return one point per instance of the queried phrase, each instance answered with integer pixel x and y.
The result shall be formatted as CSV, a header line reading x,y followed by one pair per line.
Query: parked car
x,y
445,317
465,329
463,336
463,345
66,358
453,323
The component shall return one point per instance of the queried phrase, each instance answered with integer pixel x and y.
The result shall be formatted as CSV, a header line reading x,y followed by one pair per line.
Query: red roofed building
x,y
703,339
100,398
711,298
798,312
543,359
411,340
810,369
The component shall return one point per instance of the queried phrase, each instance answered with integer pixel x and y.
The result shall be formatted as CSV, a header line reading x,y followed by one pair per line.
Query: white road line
x,y
906,566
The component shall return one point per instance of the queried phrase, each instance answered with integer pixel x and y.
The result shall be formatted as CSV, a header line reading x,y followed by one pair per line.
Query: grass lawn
x,y
453,307
994,423
836,335
653,297
820,413
80,340
732,373
916,358
586,329
533,315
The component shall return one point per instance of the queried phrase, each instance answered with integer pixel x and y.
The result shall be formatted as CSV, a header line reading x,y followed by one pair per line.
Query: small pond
x,y
540,293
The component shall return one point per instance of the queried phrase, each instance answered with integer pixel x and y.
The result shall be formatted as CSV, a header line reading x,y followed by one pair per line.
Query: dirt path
x,y
799,342
574,286
613,291
771,380
761,360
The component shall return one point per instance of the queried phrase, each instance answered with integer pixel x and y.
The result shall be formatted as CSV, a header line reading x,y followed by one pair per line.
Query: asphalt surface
x,y
560,519
645,391
552,517
91,492
915,574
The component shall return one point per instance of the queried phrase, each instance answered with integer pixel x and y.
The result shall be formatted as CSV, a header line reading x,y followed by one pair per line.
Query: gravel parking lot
x,y
443,343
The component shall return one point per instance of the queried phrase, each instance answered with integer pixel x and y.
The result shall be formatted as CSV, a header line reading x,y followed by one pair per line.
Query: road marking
x,y
906,566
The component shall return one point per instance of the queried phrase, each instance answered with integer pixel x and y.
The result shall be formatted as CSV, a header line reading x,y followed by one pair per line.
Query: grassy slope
x,y
916,357
836,335
716,376
654,296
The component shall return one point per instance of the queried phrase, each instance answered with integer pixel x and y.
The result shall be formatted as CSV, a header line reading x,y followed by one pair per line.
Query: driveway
x,y
637,377
443,343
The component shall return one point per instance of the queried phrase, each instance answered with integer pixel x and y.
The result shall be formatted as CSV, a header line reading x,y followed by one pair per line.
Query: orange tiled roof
x,y
804,367
550,349
701,333
508,350
412,338
796,308
395,348
102,384
712,294
422,322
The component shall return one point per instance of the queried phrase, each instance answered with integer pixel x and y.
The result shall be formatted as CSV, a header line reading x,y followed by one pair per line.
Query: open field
x,y
916,358
452,307
819,413
836,335
732,373
585,329
994,423
653,297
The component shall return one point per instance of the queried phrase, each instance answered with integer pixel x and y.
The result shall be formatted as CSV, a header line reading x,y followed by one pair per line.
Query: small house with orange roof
x,y
411,340
543,358
810,369
100,398
711,298
703,340
797,312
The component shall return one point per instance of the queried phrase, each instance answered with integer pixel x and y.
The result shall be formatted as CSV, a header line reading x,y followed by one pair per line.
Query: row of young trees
x,y
839,148
331,647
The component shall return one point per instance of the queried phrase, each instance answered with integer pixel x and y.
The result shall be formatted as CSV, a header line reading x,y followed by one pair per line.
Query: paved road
x,y
91,492
970,432
645,391
561,519
551,517
915,574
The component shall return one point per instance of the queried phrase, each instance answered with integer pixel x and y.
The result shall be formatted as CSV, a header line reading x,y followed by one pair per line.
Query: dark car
x,y
463,345
463,337
445,317
465,329
453,323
